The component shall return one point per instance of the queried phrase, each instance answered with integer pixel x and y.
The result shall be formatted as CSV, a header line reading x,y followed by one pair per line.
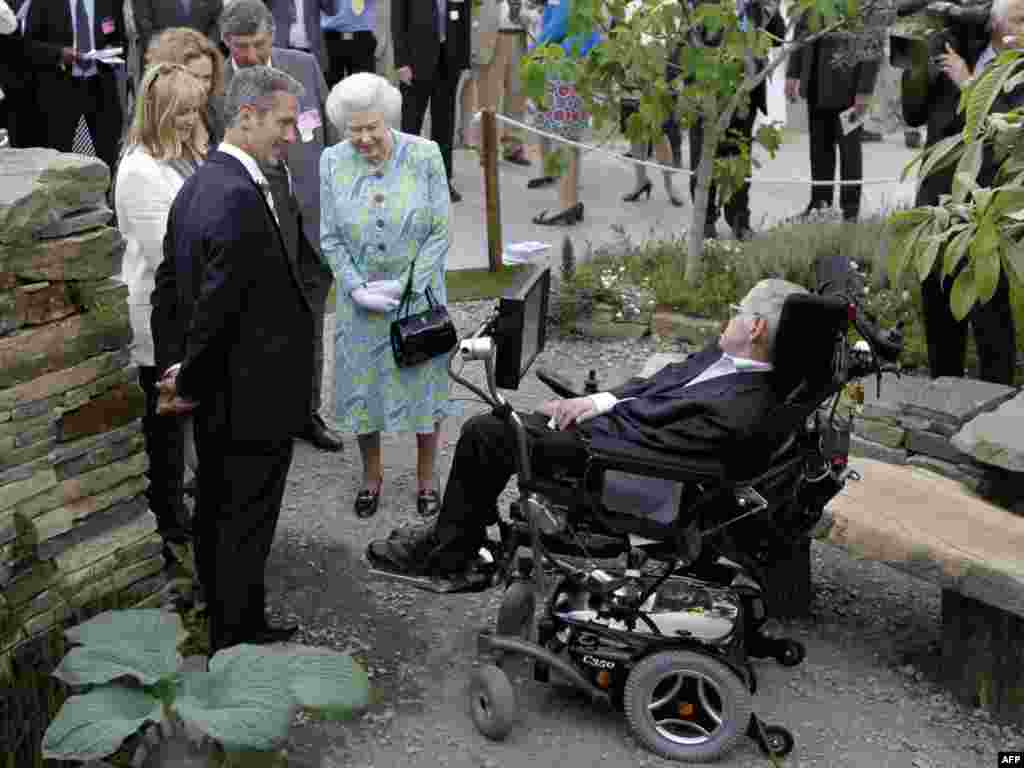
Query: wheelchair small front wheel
x,y
686,706
791,653
492,702
778,741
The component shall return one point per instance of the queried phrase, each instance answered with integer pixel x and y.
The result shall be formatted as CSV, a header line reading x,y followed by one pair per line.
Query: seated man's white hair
x,y
363,92
1000,12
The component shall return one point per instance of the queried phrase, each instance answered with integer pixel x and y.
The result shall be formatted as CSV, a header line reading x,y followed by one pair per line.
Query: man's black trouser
x,y
737,209
440,94
165,446
485,459
826,135
349,53
241,487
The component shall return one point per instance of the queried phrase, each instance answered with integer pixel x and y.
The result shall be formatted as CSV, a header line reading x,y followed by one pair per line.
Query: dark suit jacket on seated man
x,y
246,361
694,411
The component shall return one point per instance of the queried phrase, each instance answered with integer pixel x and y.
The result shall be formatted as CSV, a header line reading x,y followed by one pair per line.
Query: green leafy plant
x,y
129,664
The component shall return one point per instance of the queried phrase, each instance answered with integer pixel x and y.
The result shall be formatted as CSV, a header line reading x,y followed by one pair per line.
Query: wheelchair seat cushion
x,y
654,499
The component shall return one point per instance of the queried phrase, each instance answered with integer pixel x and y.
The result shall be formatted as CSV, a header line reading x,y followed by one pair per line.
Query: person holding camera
x,y
931,96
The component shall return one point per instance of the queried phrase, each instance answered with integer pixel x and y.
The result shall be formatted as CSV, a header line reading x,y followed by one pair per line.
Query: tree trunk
x,y
705,171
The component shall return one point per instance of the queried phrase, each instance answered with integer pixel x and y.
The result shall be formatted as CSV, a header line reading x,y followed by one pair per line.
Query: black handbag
x,y
417,338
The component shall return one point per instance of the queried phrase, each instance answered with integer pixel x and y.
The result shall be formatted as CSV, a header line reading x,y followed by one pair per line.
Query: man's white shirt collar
x,y
235,67
246,160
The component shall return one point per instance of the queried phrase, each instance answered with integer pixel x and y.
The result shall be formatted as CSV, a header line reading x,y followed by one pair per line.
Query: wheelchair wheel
x,y
515,616
791,653
492,702
686,706
778,741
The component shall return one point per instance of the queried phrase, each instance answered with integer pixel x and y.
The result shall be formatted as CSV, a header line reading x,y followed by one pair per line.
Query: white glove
x,y
373,302
390,288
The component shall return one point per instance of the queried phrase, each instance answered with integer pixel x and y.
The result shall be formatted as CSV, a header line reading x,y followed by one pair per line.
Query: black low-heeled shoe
x,y
367,502
428,503
540,181
567,217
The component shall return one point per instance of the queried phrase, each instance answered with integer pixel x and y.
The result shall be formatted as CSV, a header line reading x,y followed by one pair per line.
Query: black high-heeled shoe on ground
x,y
643,189
567,217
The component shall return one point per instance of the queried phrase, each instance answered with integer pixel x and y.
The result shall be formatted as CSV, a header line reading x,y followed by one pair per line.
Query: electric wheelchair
x,y
650,571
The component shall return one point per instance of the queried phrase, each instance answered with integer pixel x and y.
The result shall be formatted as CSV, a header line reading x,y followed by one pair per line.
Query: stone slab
x,y
880,432
39,187
658,361
971,479
41,303
996,438
881,411
872,450
75,222
697,331
116,407
55,383
933,528
91,255
947,399
9,320
934,445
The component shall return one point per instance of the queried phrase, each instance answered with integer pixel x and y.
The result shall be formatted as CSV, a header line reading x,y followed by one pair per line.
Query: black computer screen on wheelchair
x,y
520,328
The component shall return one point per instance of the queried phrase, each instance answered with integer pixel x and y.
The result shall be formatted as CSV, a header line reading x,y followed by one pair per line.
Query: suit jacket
x,y
696,427
284,16
304,156
416,43
834,87
229,306
49,26
153,16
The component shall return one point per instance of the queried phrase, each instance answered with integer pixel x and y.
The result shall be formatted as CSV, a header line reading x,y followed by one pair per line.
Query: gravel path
x,y
863,698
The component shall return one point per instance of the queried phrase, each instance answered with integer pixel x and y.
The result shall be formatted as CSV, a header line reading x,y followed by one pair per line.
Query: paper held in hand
x,y
851,119
106,55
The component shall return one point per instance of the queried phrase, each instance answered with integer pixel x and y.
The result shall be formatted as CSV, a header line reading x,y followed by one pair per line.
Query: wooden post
x,y
489,161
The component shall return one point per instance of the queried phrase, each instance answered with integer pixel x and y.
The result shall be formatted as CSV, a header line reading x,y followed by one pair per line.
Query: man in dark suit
x,y
691,412
297,24
153,16
19,60
245,358
831,87
248,29
431,49
931,95
762,14
69,86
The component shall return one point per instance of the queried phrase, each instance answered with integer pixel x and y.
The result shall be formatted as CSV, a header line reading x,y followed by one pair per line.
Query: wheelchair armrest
x,y
639,461
559,385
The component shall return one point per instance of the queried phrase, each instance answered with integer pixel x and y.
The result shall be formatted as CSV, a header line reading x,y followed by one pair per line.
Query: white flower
x,y
905,296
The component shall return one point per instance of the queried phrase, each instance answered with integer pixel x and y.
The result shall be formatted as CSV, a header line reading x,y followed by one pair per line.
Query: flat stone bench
x,y
936,529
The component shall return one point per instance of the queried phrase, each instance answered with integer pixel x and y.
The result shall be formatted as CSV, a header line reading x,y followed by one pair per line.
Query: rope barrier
x,y
586,148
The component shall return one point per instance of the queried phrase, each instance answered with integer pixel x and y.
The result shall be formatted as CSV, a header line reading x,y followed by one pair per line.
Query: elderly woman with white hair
x,y
384,215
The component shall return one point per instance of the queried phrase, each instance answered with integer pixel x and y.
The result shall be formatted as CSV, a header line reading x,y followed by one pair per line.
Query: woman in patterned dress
x,y
384,200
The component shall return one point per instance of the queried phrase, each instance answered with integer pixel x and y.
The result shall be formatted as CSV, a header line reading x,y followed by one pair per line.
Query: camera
x,y
925,28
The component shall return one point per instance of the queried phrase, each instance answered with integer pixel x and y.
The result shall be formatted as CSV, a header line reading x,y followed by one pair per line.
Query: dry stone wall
x,y
74,522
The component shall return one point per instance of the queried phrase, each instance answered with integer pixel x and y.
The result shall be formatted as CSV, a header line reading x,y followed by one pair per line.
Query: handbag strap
x,y
406,301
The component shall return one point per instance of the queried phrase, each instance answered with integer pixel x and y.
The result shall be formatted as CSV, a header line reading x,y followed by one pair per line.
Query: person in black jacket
x,y
763,14
244,362
19,60
69,86
154,16
695,412
831,87
931,96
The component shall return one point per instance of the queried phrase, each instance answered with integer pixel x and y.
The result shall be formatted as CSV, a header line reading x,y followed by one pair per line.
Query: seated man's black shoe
x,y
318,433
414,555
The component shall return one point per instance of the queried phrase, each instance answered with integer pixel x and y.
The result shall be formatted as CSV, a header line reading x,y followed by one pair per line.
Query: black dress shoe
x,y
453,193
321,436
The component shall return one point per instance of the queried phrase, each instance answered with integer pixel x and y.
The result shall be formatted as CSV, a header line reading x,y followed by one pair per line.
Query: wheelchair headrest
x,y
805,342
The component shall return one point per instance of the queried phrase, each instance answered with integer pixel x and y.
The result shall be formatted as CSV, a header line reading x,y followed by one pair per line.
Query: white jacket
x,y
144,191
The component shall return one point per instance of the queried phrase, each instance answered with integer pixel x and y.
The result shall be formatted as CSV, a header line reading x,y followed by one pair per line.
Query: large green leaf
x,y
140,643
244,701
925,258
963,295
982,94
986,273
903,233
328,681
967,170
956,249
1009,201
1013,260
940,155
95,724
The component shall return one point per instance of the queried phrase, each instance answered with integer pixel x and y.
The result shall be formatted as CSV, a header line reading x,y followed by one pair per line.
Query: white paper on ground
x,y
521,253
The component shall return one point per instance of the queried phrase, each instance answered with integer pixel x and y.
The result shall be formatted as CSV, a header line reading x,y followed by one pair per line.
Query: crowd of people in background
x,y
252,127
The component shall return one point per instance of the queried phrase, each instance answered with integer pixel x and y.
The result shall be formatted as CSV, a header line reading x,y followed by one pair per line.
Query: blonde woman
x,y
165,144
194,51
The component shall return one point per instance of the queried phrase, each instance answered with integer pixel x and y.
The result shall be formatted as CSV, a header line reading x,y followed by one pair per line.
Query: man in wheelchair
x,y
704,413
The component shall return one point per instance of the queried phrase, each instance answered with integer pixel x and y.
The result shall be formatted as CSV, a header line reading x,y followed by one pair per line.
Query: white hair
x,y
1000,13
363,92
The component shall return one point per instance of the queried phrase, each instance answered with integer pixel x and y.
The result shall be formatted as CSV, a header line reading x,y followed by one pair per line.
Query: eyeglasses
x,y
736,309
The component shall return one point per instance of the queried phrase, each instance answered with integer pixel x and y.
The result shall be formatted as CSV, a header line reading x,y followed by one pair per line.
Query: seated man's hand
x,y
169,403
565,413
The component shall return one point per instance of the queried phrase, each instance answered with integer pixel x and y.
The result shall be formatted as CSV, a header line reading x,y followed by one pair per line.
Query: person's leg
x,y
60,126
945,336
442,110
663,154
851,168
364,49
737,208
369,450
426,458
821,126
568,187
642,183
105,118
515,97
415,98
334,48
995,336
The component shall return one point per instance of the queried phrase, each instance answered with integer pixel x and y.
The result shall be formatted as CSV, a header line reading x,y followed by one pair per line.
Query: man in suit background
x,y
831,87
19,60
350,39
762,14
931,95
432,46
297,24
68,85
153,16
248,30
246,362
695,411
